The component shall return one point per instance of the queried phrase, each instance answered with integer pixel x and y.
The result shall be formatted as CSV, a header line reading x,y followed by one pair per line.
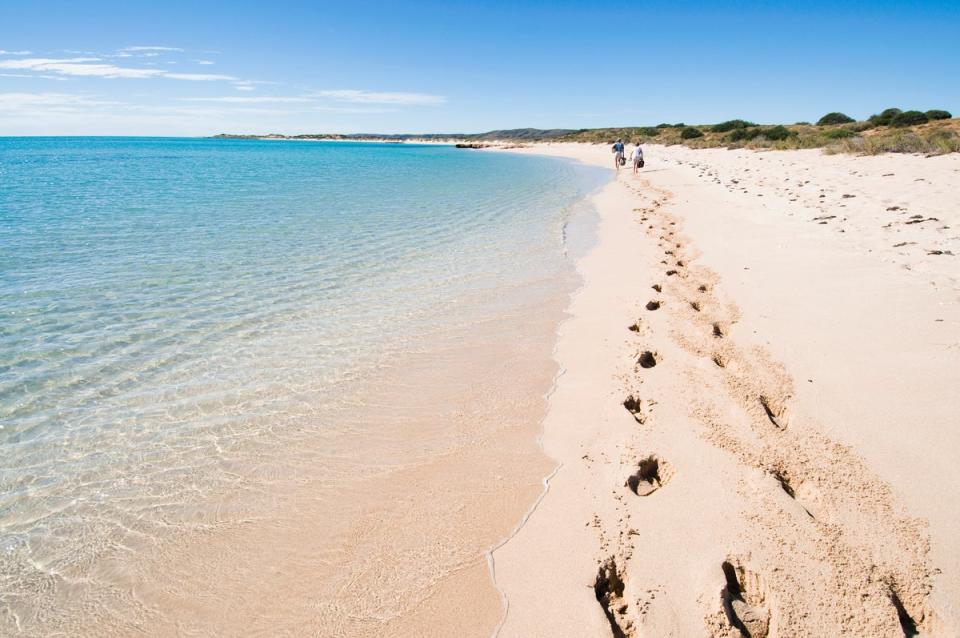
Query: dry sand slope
x,y
756,423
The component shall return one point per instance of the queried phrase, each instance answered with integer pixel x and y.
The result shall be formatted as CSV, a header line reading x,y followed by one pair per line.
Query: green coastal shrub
x,y
744,134
834,118
729,125
649,131
839,134
690,133
778,133
937,114
774,134
885,117
803,124
909,118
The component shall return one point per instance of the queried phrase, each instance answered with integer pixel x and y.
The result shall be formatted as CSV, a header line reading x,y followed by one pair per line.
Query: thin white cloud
x,y
250,85
28,75
260,99
87,67
205,62
355,109
94,67
199,77
381,97
2,52
310,103
141,49
19,101
212,111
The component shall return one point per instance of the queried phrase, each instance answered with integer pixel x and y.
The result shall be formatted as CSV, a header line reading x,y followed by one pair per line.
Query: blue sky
x,y
198,68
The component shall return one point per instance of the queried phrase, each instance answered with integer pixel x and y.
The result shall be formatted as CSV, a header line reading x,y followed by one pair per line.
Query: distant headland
x,y
932,132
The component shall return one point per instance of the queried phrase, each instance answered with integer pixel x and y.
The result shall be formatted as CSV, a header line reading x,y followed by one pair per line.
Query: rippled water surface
x,y
174,313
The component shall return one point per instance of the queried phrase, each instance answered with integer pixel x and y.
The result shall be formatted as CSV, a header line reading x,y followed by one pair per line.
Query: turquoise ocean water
x,y
166,305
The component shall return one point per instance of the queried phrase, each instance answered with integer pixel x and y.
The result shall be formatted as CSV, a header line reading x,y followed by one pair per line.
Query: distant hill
x,y
517,134
527,134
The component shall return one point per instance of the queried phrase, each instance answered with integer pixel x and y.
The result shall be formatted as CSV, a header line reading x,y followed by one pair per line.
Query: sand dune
x,y
756,422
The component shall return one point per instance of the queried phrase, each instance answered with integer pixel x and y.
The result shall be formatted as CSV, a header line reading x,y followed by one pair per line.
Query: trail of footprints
x,y
825,198
864,572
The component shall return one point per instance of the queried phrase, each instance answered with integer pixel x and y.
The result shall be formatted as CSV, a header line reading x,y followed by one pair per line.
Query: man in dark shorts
x,y
617,154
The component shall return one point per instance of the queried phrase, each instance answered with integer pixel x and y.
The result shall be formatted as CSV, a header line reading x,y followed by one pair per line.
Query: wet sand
x,y
379,526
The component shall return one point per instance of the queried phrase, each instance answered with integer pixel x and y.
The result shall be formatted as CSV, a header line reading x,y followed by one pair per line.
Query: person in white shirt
x,y
636,156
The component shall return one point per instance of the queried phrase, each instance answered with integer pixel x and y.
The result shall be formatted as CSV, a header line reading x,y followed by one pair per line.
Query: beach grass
x,y
891,131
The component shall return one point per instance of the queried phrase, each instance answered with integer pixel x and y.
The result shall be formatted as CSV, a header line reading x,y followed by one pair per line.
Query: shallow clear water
x,y
172,308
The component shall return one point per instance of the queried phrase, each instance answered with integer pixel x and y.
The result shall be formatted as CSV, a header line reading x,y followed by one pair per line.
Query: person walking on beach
x,y
636,156
618,154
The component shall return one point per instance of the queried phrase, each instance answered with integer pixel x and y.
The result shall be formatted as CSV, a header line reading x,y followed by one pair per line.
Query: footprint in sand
x,y
650,476
783,479
907,623
775,410
744,601
653,305
608,588
634,406
648,359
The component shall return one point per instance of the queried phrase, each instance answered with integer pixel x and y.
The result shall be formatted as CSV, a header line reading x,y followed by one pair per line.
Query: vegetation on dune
x,y
885,117
937,114
839,133
778,133
772,133
743,134
729,125
834,118
932,132
908,118
930,142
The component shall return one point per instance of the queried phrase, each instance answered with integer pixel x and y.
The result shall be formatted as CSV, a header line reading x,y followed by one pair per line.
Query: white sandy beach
x,y
785,461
